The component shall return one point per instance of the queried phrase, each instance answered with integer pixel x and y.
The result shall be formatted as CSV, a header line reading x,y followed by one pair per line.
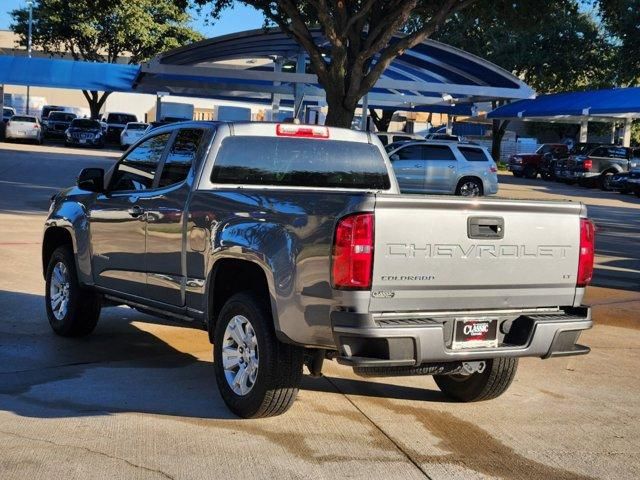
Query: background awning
x,y
594,105
57,73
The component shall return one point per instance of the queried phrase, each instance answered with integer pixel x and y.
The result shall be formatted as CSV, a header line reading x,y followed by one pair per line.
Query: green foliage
x,y
552,46
621,18
105,30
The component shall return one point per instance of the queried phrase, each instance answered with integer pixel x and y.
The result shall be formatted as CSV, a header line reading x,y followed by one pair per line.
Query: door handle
x,y
451,166
418,165
136,211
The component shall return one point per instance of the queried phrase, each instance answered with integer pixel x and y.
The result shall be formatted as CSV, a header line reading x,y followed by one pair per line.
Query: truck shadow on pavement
x,y
123,367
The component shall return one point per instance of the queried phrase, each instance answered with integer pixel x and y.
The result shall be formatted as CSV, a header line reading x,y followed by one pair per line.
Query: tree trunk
x,y
382,121
95,101
338,115
498,131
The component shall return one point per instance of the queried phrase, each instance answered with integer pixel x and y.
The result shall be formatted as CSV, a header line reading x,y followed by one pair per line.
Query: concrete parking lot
x,y
138,398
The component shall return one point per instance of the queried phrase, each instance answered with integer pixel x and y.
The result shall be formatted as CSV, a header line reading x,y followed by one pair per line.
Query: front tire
x,y
491,383
258,376
72,311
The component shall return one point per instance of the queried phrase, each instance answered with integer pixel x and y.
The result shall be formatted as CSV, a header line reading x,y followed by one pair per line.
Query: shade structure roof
x,y
257,64
56,73
594,105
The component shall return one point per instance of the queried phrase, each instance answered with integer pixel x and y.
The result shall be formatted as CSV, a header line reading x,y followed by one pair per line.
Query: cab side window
x,y
138,169
473,154
437,152
410,152
181,156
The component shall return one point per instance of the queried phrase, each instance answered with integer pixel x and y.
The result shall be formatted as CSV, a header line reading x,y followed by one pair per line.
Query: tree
x,y
382,120
621,18
110,31
361,40
552,46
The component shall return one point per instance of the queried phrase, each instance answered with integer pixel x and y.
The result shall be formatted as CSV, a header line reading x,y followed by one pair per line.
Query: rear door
x,y
441,168
409,167
165,218
447,253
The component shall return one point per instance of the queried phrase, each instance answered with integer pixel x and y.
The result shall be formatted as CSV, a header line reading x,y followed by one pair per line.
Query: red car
x,y
529,164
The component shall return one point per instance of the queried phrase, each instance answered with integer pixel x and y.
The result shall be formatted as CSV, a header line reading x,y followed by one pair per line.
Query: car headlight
x,y
517,159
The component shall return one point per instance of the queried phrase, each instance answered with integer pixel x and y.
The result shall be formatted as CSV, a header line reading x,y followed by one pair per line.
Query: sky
x,y
239,18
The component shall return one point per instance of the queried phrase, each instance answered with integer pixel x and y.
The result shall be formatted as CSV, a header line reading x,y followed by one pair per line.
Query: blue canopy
x,y
616,102
55,73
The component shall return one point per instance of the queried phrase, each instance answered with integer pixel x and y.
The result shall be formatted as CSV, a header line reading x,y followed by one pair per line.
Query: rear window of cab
x,y
298,162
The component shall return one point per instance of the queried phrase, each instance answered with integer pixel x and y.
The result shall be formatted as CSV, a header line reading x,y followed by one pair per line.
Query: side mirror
x,y
91,179
394,157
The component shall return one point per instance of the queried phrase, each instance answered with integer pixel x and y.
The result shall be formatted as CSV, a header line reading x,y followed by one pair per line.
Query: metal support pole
x,y
613,132
449,125
275,97
298,89
584,130
365,113
30,5
626,135
158,107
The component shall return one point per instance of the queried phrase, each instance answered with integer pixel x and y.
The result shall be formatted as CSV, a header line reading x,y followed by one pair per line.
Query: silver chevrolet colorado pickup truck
x,y
290,244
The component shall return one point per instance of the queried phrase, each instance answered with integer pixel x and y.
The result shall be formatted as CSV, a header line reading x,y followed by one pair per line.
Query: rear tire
x,y
605,181
517,174
273,388
469,187
530,172
72,310
491,383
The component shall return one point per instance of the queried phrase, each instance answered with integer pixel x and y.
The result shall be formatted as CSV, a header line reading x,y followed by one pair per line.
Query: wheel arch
x,y
230,275
55,237
470,177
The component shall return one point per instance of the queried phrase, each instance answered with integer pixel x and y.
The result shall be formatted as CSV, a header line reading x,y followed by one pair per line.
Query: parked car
x,y
84,132
632,184
23,127
530,165
47,109
7,113
445,137
57,124
268,244
601,164
390,137
133,131
444,167
115,124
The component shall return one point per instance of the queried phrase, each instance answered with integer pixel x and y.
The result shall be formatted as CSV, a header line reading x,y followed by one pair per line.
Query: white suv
x,y
444,167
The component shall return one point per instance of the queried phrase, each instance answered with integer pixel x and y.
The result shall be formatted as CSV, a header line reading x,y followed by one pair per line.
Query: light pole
x,y
30,5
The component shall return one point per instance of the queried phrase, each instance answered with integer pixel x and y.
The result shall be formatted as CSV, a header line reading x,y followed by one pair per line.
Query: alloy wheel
x,y
240,355
59,290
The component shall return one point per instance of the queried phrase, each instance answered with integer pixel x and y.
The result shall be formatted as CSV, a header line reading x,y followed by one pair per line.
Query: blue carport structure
x,y
44,72
617,105
266,66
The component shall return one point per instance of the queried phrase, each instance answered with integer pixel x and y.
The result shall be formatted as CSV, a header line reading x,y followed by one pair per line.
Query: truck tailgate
x,y
426,257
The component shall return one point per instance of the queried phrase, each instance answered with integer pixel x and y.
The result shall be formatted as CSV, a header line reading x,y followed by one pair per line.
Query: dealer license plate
x,y
475,333
83,140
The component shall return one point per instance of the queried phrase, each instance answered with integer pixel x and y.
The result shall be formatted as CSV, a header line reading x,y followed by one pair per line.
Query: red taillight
x,y
308,131
587,252
493,169
587,164
352,261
